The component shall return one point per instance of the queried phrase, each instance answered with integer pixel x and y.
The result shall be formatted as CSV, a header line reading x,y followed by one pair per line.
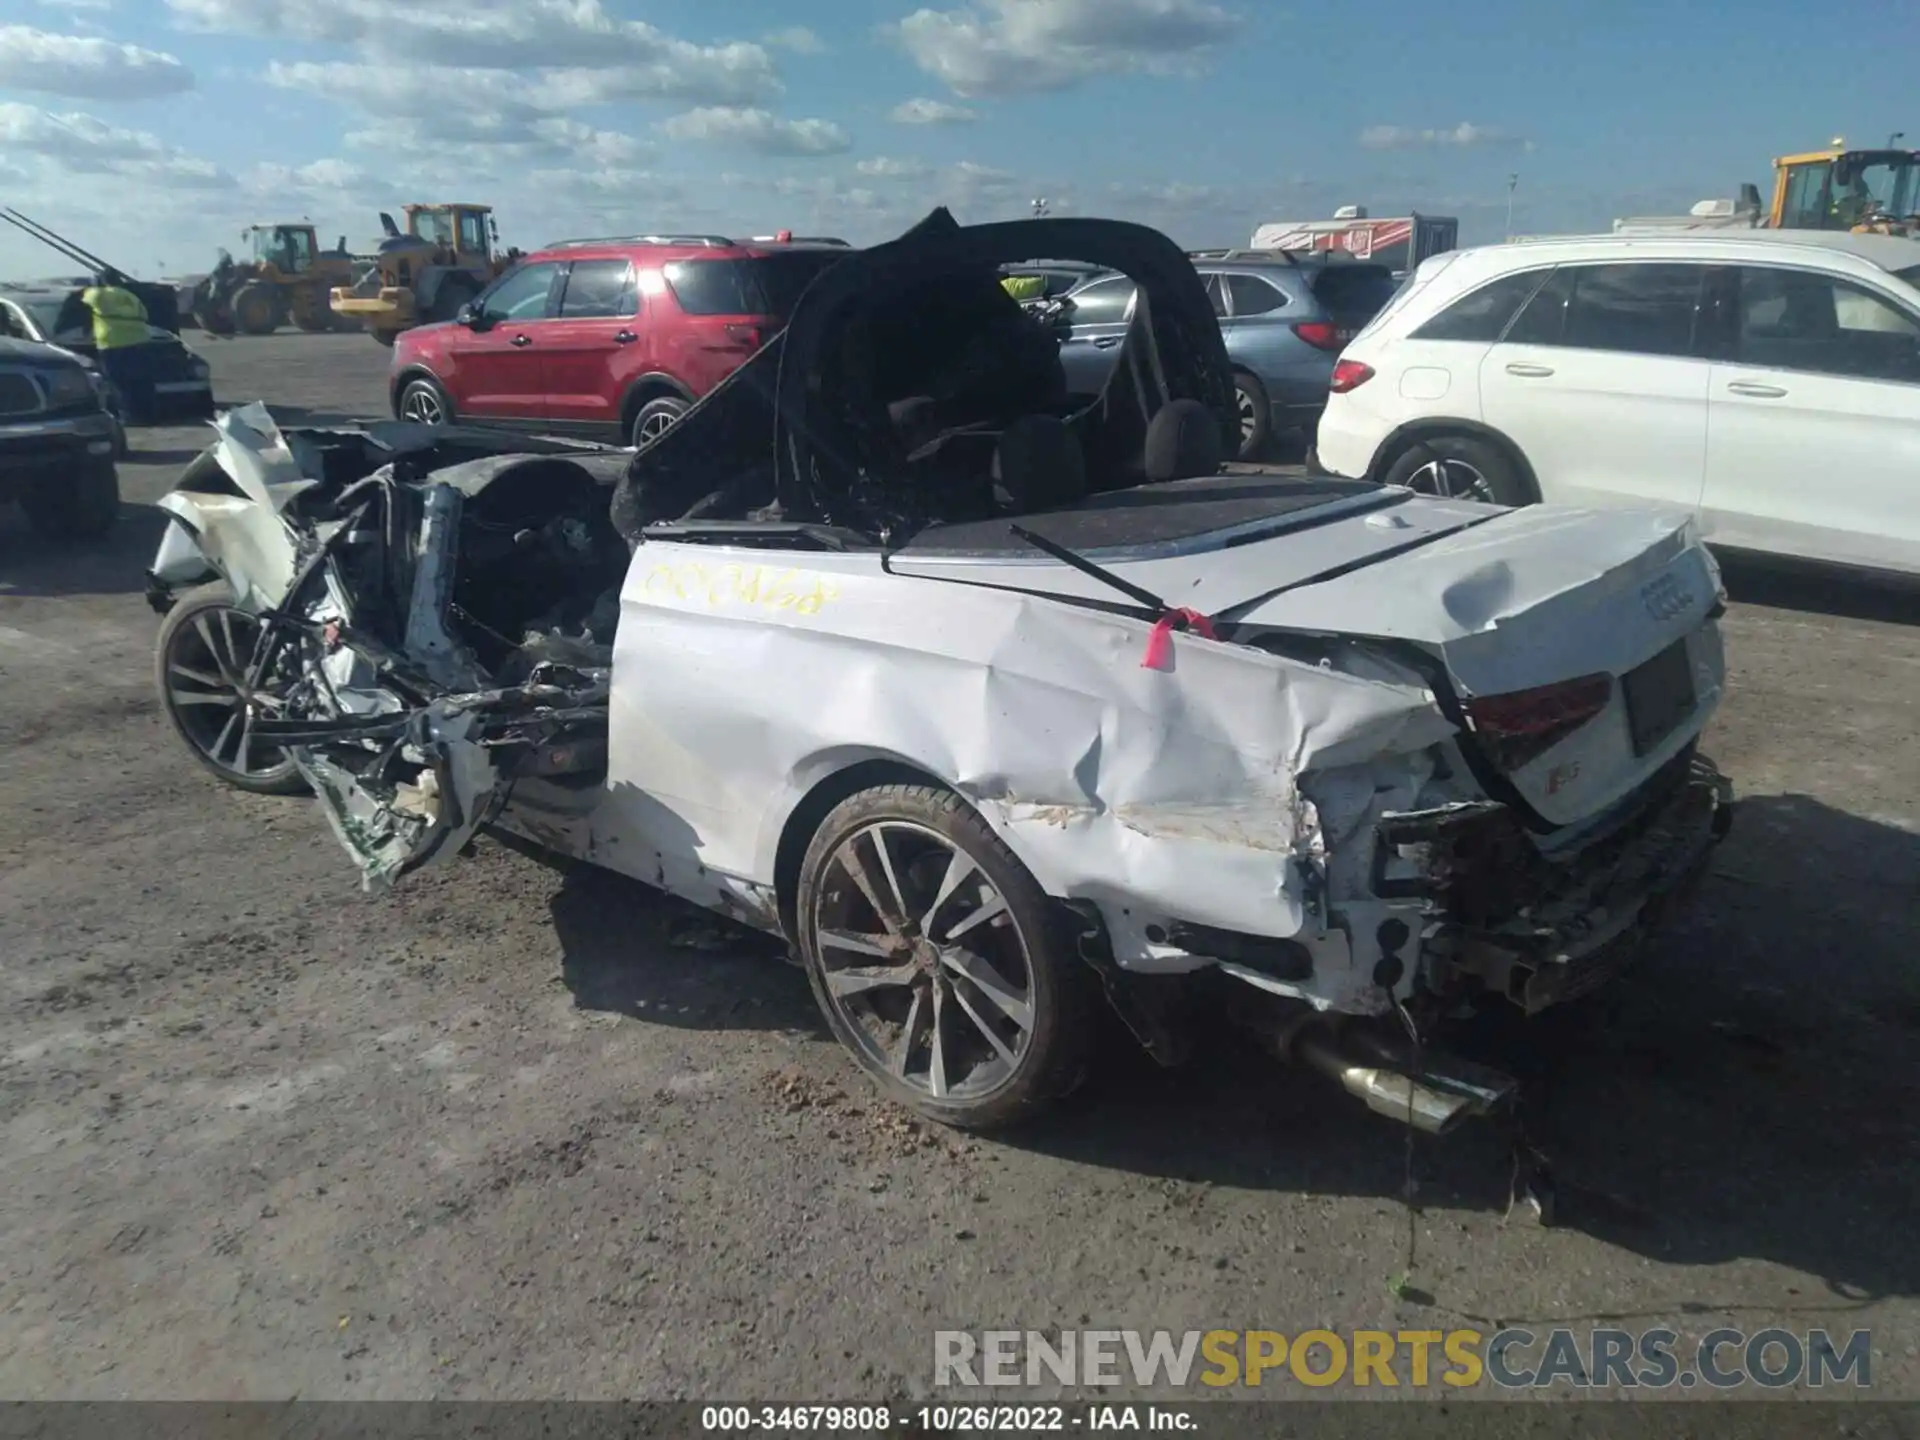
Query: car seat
x,y
1183,443
1038,465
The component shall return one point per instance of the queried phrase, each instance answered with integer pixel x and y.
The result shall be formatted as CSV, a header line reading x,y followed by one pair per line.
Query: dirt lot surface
x,y
519,1132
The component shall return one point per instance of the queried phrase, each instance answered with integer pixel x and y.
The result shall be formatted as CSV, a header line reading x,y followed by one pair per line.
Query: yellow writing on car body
x,y
719,587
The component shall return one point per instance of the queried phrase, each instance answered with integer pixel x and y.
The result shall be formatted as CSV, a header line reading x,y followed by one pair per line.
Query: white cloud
x,y
78,4
931,112
86,67
798,39
757,130
1010,47
591,146
633,60
1465,135
882,167
84,144
974,173
428,108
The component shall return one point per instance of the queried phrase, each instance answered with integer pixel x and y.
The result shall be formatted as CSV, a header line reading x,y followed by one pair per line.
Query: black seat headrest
x,y
1038,463
1183,442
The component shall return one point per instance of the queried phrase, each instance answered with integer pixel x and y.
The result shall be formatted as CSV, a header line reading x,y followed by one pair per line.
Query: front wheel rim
x,y
1451,480
652,427
213,692
1249,416
421,405
923,962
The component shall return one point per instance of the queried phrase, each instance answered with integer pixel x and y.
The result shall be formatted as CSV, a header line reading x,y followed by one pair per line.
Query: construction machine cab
x,y
290,249
1842,189
465,231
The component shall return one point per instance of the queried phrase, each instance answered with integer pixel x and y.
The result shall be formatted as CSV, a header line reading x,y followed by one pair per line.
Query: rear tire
x,y
1256,415
194,668
1461,467
656,417
977,1033
80,506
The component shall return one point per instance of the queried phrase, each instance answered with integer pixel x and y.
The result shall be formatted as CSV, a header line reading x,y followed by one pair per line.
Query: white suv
x,y
1768,382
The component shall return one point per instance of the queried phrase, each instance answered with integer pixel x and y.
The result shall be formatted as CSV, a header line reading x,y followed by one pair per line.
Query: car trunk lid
x,y
1577,642
1509,607
1351,293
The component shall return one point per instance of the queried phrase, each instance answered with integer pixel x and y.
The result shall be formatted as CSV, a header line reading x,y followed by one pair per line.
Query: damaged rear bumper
x,y
1540,929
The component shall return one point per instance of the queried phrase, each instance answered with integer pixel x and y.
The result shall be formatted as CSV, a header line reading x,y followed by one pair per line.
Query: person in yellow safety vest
x,y
1025,287
120,331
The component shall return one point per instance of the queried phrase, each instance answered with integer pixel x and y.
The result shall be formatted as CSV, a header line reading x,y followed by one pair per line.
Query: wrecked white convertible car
x,y
998,702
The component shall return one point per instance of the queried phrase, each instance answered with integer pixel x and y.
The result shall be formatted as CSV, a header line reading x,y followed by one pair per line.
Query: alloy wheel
x,y
421,405
655,425
1451,480
215,689
1249,416
923,961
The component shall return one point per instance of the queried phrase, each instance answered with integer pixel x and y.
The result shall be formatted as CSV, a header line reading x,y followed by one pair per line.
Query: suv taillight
x,y
1349,375
1321,334
1523,725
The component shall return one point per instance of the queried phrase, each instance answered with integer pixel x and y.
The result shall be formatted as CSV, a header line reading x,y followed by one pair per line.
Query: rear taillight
x,y
1321,334
1349,375
1522,725
747,335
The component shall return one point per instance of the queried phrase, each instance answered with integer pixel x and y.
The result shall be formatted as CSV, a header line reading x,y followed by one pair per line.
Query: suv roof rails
x,y
786,239
1275,257
711,242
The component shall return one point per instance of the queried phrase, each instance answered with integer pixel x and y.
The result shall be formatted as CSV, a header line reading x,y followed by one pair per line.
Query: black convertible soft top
x,y
802,433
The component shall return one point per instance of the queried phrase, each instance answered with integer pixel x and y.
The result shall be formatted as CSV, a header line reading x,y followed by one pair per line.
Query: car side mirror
x,y
472,316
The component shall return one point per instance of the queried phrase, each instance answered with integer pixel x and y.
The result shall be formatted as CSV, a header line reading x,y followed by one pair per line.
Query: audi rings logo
x,y
1667,598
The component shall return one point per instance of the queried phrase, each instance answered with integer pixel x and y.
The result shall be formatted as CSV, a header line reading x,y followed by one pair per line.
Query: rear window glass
x,y
1480,315
1253,296
1354,294
763,285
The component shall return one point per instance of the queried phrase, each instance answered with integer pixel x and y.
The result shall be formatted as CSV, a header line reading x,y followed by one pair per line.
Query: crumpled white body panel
x,y
1191,793
243,536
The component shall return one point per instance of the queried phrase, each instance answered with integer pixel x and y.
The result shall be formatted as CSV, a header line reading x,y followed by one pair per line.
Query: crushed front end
x,y
437,615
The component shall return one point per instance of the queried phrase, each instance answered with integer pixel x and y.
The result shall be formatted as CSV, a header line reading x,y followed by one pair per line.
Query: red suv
x,y
610,340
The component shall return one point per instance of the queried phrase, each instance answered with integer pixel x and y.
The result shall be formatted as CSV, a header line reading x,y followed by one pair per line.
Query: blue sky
x,y
153,130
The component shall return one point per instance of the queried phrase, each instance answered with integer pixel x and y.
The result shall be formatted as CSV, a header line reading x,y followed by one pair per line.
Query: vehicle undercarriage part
x,y
451,609
1433,1094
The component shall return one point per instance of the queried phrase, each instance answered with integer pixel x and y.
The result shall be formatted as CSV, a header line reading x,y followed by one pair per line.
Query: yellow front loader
x,y
286,277
445,257
1865,191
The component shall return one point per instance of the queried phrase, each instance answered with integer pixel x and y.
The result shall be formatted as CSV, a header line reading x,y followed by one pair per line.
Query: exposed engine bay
x,y
442,590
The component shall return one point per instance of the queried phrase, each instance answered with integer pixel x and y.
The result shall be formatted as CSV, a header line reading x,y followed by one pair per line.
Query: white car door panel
x,y
1813,432
1597,384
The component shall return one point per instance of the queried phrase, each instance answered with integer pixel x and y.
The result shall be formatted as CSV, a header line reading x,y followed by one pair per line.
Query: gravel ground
x,y
524,1132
